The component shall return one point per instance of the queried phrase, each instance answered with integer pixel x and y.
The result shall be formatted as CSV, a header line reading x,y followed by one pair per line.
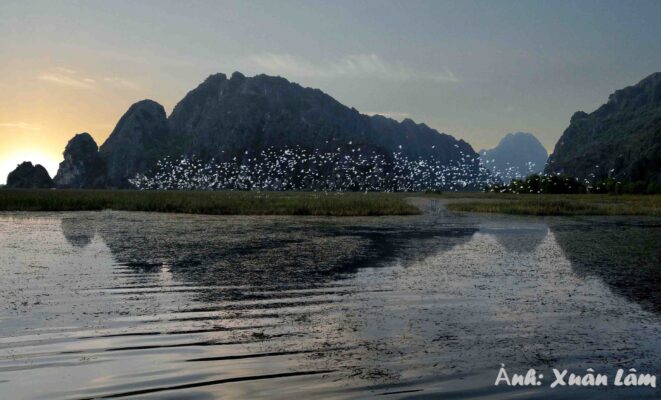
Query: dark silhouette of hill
x,y
28,176
621,139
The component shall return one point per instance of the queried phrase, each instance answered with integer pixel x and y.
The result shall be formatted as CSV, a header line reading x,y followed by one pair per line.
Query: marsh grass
x,y
224,202
592,204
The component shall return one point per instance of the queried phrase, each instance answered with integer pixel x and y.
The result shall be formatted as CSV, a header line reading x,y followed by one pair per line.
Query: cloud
x,y
357,65
445,76
66,70
68,78
19,125
121,83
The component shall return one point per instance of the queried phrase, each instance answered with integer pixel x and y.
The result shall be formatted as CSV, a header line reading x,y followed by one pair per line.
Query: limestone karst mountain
x,y
136,143
237,117
28,176
621,139
82,166
516,156
241,113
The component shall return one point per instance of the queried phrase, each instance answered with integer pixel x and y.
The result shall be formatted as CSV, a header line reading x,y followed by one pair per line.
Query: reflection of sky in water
x,y
269,306
516,237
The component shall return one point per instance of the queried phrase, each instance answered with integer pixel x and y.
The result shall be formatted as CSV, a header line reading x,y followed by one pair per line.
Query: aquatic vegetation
x,y
593,204
207,202
349,169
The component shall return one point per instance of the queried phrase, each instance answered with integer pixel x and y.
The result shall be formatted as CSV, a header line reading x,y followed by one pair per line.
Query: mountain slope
x,y
621,139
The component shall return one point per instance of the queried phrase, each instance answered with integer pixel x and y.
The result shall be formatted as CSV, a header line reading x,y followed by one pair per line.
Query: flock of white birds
x,y
299,169
510,172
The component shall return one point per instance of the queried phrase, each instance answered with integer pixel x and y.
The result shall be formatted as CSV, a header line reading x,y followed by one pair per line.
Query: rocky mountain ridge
x,y
237,117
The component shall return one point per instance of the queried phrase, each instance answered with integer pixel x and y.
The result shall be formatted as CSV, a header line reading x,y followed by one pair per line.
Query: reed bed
x,y
209,202
592,204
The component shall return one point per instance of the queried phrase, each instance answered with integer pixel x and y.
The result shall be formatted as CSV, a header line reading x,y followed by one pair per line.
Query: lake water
x,y
118,304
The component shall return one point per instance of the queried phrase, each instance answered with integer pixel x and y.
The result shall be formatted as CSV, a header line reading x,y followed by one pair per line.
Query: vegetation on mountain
x,y
620,140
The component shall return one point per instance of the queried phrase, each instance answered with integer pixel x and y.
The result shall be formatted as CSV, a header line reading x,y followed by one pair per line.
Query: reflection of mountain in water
x,y
262,251
78,231
517,238
279,267
631,267
270,294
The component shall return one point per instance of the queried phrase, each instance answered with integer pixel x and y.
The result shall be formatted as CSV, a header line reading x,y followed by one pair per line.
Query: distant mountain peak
x,y
517,155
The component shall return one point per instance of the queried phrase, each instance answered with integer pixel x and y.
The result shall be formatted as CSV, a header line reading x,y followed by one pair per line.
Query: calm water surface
x,y
136,305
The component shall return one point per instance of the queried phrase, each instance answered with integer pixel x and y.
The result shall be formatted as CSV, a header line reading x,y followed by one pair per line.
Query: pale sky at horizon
x,y
474,69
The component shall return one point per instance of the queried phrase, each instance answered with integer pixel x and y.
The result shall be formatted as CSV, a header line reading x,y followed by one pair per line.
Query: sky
x,y
474,69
